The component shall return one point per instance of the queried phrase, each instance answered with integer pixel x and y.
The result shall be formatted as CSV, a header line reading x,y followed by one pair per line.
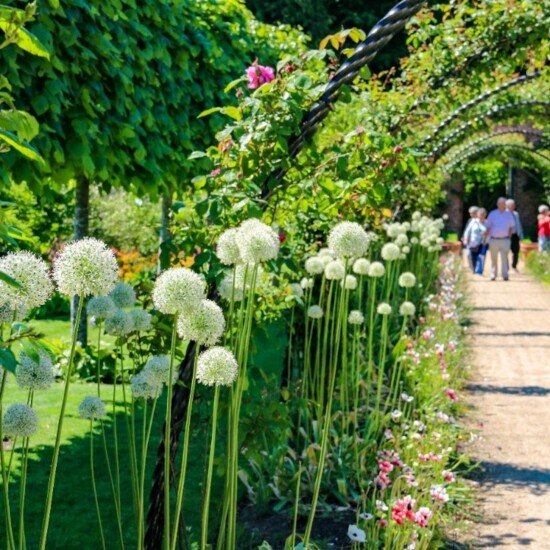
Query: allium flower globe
x,y
31,274
228,291
257,242
9,314
92,408
407,309
348,240
315,312
34,373
401,239
204,324
407,279
119,324
101,307
144,388
383,309
307,283
390,252
217,366
335,270
376,269
157,370
227,249
19,421
178,289
123,295
361,266
355,317
296,290
350,282
314,265
85,268
141,319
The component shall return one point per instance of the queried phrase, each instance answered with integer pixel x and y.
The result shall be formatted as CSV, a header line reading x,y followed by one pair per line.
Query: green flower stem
x,y
208,489
23,481
115,445
57,446
185,452
167,432
98,369
381,366
370,328
296,504
94,486
325,351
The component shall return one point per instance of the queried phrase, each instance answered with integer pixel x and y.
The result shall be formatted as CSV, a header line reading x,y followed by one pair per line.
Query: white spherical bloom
x,y
326,259
34,373
119,323
144,388
178,289
227,249
314,265
141,319
350,282
31,274
19,421
348,240
355,317
383,309
157,370
315,312
377,269
424,243
326,252
401,239
416,215
9,314
361,266
257,242
85,268
228,291
390,251
414,240
439,240
204,324
392,230
335,270
217,366
244,277
92,408
405,250
407,308
297,290
407,279
100,307
402,256
123,295
306,283
406,226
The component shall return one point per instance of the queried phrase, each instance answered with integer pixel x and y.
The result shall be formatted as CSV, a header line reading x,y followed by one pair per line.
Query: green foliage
x,y
539,265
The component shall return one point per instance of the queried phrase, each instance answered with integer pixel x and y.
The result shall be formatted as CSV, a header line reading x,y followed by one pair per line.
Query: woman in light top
x,y
474,239
480,264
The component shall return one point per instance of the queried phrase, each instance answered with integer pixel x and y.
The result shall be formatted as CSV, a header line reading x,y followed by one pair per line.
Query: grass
x,y
59,330
539,265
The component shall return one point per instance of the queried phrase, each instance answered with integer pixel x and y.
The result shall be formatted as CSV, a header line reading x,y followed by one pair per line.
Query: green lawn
x,y
60,329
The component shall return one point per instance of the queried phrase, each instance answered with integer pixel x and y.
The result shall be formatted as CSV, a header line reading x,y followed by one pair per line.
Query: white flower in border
x,y
141,319
361,266
178,289
335,270
257,241
350,282
9,314
314,265
401,240
315,312
157,370
348,240
204,324
297,290
355,317
123,295
390,252
383,309
144,387
227,249
20,421
377,269
307,283
217,366
34,373
101,307
119,324
356,535
407,279
92,408
407,309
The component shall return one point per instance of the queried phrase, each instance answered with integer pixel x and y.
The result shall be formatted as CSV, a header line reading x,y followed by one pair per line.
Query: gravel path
x,y
510,393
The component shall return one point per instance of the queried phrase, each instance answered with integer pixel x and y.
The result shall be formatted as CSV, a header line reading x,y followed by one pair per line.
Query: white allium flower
x,y
227,249
405,250
100,307
217,366
416,215
297,290
35,285
314,265
390,252
355,317
361,266
306,283
204,324
20,420
407,279
315,312
383,309
144,388
157,370
34,373
392,230
119,323
377,269
178,289
325,259
356,535
123,295
350,282
141,319
85,268
401,239
257,242
326,252
414,240
348,240
9,314
335,270
226,290
407,308
244,277
92,408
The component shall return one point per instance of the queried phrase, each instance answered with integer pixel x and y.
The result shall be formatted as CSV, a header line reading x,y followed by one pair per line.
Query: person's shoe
x,y
516,269
505,278
493,278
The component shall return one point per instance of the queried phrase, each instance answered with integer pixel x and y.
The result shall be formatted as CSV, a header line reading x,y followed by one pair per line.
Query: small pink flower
x,y
258,75
422,319
385,466
448,476
439,493
451,394
383,522
403,509
215,172
429,457
382,481
422,516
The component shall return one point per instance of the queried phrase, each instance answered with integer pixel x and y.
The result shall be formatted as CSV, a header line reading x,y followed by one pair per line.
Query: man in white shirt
x,y
517,235
500,224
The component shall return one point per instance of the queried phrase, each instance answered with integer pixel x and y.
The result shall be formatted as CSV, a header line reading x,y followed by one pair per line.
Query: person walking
x,y
473,239
473,216
517,235
500,225
543,223
480,264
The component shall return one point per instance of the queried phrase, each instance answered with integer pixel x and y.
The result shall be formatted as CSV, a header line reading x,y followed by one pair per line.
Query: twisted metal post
x,y
477,100
365,52
444,144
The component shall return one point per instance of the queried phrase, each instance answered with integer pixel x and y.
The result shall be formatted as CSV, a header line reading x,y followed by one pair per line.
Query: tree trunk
x,y
164,234
81,230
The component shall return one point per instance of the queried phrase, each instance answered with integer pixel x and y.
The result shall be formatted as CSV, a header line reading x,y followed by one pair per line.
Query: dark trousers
x,y
514,247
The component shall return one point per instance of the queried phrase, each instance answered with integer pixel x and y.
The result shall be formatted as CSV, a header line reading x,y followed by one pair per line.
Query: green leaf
x,y
7,359
25,40
210,111
22,146
9,280
233,112
234,83
23,124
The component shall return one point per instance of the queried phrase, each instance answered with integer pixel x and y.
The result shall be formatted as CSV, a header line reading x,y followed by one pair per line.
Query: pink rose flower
x,y
451,394
258,75
422,516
